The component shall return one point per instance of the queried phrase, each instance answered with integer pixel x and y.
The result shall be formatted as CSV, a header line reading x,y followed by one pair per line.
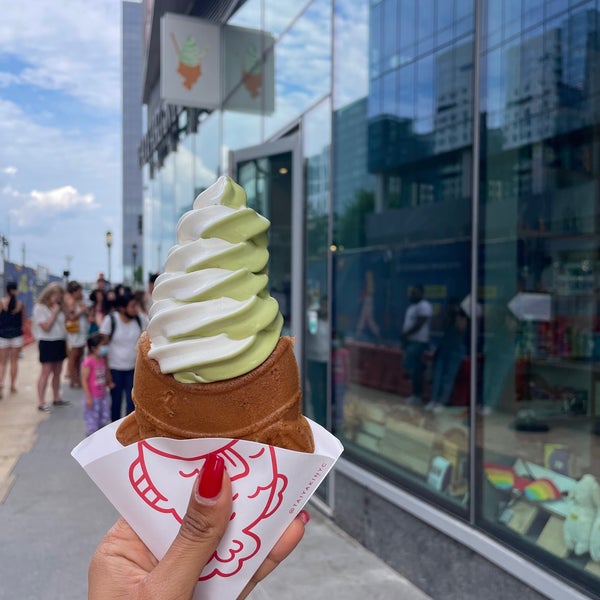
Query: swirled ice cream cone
x,y
212,363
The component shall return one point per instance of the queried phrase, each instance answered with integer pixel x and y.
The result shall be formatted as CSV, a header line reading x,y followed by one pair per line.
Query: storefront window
x,y
183,176
402,260
316,150
539,282
302,66
206,153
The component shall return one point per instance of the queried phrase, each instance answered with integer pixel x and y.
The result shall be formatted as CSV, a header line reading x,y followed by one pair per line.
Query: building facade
x,y
132,130
431,169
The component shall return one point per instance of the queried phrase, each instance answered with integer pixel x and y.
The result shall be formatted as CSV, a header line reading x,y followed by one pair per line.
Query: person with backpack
x,y
121,330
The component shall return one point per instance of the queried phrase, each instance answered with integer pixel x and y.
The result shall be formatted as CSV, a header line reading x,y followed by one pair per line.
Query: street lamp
x,y
108,238
134,253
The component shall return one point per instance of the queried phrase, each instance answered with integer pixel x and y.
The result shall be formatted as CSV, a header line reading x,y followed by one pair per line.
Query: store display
x,y
542,490
584,501
595,535
519,516
440,473
551,538
408,445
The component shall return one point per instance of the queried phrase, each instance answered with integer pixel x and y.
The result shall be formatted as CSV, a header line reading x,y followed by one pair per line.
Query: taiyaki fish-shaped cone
x,y
263,405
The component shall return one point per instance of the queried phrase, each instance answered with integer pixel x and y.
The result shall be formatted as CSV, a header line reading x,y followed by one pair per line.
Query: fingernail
x,y
304,516
211,477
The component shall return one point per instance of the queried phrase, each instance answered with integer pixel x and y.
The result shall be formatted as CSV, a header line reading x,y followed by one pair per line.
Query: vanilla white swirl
x,y
212,317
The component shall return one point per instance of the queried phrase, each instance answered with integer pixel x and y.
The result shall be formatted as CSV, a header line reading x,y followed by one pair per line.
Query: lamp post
x,y
108,238
134,250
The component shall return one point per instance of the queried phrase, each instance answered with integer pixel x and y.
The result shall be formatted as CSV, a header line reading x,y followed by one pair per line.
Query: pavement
x,y
52,517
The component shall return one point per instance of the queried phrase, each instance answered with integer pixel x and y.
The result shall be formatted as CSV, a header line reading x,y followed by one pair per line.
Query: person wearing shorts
x,y
12,319
50,331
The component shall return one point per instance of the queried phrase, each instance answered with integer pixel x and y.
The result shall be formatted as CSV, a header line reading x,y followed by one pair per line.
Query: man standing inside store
x,y
415,340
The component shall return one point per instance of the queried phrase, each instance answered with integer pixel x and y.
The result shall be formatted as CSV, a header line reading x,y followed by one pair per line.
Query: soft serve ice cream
x,y
212,316
212,362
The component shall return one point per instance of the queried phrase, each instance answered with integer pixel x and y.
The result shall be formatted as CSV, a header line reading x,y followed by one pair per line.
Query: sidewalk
x,y
52,517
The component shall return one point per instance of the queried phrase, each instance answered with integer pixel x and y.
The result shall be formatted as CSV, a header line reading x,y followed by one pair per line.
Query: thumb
x,y
201,530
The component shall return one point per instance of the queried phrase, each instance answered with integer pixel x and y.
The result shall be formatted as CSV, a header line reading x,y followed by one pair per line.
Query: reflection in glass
x,y
401,254
299,84
279,15
268,185
316,149
350,79
539,278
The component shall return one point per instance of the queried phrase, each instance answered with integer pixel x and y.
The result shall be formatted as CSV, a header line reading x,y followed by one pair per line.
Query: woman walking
x,y
49,329
12,319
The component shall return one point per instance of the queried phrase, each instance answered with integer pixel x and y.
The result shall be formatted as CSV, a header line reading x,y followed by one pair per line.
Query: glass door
x,y
271,175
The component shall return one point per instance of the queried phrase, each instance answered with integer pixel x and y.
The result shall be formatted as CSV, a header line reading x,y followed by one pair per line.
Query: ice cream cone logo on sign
x,y
153,481
190,60
252,71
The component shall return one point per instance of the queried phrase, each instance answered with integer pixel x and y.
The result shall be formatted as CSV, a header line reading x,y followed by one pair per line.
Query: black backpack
x,y
113,325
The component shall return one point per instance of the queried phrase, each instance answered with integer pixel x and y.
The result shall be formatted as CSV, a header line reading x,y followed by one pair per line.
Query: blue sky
x,y
60,134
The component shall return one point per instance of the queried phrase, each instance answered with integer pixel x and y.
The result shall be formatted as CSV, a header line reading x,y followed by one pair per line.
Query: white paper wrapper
x,y
150,483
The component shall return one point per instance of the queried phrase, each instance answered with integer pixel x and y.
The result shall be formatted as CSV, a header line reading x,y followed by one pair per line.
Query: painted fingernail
x,y
211,478
304,517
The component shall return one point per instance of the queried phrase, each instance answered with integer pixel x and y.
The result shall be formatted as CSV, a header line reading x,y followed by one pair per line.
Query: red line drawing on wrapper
x,y
263,497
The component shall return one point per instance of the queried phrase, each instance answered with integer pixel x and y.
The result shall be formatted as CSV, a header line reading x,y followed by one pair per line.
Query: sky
x,y
60,135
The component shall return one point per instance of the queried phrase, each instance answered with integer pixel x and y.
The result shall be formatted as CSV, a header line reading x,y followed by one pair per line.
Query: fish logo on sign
x,y
151,476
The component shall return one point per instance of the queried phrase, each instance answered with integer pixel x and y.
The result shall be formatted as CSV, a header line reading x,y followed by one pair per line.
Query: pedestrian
x,y
77,326
147,303
449,355
95,381
51,334
318,346
366,316
123,567
12,321
415,339
121,329
340,358
97,310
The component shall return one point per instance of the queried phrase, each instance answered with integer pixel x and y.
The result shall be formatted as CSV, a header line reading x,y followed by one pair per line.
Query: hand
x,y
88,401
123,567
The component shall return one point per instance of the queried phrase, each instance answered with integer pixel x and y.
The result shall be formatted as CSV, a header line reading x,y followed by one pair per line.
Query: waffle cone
x,y
263,405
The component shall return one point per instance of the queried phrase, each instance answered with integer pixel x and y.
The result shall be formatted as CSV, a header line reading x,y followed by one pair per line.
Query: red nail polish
x,y
211,478
304,516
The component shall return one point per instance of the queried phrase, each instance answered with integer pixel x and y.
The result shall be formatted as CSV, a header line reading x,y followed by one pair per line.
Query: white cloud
x,y
71,45
36,208
10,170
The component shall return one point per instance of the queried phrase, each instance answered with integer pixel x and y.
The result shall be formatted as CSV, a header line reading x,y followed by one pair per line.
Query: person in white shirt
x,y
121,329
415,339
49,330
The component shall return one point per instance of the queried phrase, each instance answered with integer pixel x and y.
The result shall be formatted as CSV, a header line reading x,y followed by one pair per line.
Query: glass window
x,y
444,21
206,153
279,15
351,77
425,92
241,129
183,183
316,137
425,25
390,28
512,18
248,15
406,26
301,82
539,339
401,262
